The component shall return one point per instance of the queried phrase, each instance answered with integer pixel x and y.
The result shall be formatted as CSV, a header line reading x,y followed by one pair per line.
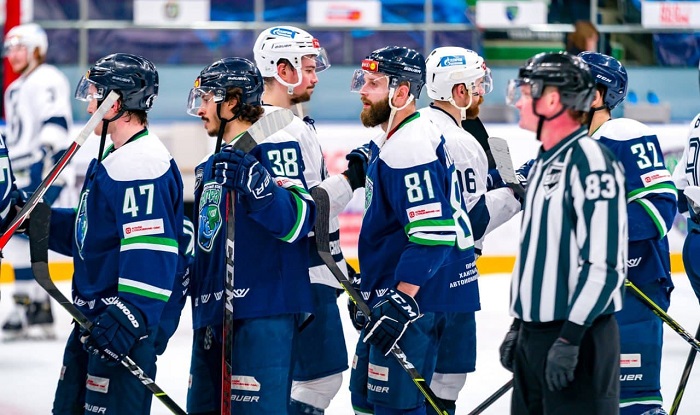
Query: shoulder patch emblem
x,y
210,219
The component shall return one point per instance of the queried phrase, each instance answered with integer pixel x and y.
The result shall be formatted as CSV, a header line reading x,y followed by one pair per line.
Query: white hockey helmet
x,y
291,43
450,66
29,35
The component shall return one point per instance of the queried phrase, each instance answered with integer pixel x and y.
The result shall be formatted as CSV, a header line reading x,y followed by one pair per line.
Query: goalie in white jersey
x,y
38,114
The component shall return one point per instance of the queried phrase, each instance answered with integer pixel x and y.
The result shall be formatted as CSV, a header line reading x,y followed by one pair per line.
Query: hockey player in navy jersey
x,y
123,237
290,59
687,179
651,208
415,247
273,215
457,80
38,118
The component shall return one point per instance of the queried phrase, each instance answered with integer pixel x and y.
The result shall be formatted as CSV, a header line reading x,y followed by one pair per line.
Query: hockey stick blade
x,y
38,194
493,398
263,128
673,324
504,164
39,254
322,226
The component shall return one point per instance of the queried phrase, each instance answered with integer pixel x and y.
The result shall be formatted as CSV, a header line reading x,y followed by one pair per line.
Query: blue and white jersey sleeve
x,y
146,197
7,182
291,215
651,193
687,171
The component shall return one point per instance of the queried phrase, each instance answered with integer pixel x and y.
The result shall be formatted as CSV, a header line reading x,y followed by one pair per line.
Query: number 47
x,y
130,205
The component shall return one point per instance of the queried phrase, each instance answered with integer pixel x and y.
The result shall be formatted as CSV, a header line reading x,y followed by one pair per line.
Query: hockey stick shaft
x,y
258,132
38,194
493,398
663,315
477,129
684,378
39,252
322,200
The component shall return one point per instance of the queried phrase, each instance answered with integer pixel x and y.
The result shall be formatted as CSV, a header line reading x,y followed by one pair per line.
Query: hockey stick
x,y
258,132
493,398
684,379
39,252
58,168
476,128
322,200
694,343
504,164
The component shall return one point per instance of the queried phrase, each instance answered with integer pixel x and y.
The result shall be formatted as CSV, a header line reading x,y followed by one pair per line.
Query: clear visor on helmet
x,y
11,45
201,96
514,90
88,90
369,82
321,60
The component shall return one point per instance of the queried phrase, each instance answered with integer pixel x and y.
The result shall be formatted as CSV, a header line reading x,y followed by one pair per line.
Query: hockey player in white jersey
x,y
457,80
290,59
651,208
38,115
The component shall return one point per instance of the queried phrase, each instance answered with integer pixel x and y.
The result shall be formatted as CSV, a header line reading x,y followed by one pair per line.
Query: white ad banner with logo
x,y
160,12
357,13
510,14
682,14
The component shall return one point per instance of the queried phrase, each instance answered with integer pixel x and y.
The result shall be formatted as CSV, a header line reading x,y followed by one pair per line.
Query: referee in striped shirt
x,y
564,347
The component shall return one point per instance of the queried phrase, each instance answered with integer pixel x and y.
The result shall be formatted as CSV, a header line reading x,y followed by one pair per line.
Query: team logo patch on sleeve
x,y
431,210
81,222
143,227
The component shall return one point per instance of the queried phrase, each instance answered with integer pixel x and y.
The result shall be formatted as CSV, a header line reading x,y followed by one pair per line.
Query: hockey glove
x,y
523,171
357,166
241,172
389,320
17,200
358,318
494,180
507,349
561,363
115,332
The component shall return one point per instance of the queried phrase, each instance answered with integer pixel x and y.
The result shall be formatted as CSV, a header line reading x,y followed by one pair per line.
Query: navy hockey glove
x,y
523,171
507,349
241,172
561,363
115,332
389,320
17,200
357,166
358,318
494,180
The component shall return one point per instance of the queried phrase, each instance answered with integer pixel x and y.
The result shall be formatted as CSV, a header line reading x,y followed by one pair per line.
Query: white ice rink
x,y
29,370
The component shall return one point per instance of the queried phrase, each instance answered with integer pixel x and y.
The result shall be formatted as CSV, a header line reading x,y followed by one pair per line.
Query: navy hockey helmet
x,y
135,79
568,73
399,64
222,75
608,72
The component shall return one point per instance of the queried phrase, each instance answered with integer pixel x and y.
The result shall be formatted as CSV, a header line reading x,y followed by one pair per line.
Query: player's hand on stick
x,y
357,317
241,172
357,166
115,332
390,318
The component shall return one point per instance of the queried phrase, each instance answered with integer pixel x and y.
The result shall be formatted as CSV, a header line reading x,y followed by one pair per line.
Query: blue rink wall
x,y
189,144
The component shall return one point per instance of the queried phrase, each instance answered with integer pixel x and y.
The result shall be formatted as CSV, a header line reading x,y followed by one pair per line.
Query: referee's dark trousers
x,y
596,385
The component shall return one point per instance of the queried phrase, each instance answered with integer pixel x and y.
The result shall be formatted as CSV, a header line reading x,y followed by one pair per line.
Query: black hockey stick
x,y
504,164
493,398
50,178
258,132
694,343
476,128
684,379
39,252
322,200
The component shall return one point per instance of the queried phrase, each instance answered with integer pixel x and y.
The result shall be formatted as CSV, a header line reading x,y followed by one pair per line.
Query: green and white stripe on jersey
x,y
573,247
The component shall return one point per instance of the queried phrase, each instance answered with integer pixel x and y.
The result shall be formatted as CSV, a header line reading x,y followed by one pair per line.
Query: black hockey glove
x,y
561,363
115,332
507,349
241,172
357,317
389,320
357,166
17,200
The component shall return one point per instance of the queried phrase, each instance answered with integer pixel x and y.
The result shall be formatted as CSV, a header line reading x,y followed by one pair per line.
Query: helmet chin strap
x,y
290,87
542,118
222,125
103,135
462,110
591,112
392,114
